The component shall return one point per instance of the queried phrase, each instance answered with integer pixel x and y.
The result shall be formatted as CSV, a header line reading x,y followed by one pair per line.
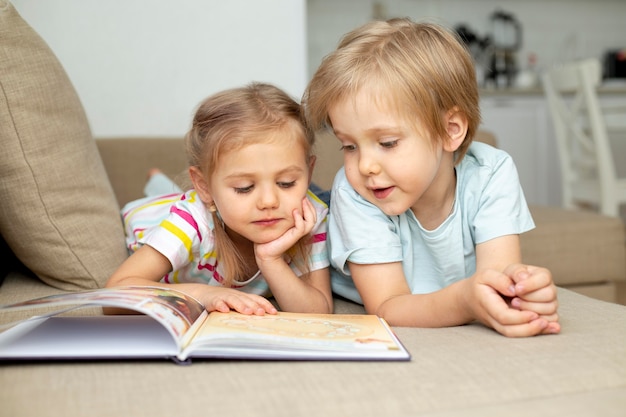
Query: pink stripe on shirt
x,y
186,216
320,237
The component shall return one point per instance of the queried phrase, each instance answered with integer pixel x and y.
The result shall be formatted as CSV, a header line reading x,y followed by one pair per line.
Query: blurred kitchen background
x,y
512,41
515,34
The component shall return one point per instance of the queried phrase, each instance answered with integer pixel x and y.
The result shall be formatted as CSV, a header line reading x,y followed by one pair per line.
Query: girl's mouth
x,y
266,222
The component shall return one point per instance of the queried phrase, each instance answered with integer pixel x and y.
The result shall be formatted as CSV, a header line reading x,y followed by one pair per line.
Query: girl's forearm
x,y
295,293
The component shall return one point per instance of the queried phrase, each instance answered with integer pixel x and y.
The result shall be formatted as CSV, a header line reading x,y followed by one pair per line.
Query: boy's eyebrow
x,y
375,129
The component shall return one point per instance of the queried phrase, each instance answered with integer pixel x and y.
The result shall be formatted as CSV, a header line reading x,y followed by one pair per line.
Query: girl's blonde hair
x,y
420,70
235,118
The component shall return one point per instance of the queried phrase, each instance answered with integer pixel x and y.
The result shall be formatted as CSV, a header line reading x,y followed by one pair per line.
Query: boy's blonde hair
x,y
420,70
230,120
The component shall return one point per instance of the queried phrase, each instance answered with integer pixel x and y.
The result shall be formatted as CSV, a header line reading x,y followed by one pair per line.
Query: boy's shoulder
x,y
482,154
484,164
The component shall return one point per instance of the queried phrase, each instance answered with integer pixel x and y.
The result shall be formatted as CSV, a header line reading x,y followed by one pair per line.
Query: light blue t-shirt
x,y
489,203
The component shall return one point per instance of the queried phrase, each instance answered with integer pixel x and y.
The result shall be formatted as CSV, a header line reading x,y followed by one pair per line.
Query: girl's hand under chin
x,y
304,221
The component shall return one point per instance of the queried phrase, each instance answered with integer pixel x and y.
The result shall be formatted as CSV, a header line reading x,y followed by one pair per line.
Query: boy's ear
x,y
200,185
456,127
312,160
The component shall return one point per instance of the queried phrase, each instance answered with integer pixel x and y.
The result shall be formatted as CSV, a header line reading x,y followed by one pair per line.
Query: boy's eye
x,y
243,190
286,184
389,144
347,148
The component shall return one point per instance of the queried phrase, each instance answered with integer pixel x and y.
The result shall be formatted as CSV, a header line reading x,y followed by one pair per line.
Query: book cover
x,y
175,326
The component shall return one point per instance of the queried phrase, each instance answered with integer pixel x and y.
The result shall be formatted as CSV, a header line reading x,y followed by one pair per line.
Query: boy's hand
x,y
487,301
492,293
535,291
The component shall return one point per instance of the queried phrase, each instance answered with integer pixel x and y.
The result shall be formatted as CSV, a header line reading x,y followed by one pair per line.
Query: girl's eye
x,y
389,144
348,148
286,184
243,190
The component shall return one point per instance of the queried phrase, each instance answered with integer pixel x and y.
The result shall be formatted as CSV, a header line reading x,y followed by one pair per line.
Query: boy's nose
x,y
368,165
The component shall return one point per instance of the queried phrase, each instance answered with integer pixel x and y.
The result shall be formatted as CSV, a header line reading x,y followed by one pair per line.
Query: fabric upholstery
x,y
457,371
579,247
58,213
128,174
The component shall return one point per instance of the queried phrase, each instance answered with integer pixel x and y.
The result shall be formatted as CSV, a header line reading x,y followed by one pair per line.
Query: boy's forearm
x,y
444,308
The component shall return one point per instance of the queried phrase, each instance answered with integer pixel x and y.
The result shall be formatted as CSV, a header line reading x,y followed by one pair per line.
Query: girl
x,y
249,228
424,225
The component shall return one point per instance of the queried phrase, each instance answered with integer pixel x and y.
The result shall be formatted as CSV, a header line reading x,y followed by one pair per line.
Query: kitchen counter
x,y
611,87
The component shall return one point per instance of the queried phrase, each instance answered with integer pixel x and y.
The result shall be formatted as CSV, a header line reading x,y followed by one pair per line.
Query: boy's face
x,y
387,160
257,188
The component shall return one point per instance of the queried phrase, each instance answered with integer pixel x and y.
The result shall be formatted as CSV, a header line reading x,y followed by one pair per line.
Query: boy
x,y
424,225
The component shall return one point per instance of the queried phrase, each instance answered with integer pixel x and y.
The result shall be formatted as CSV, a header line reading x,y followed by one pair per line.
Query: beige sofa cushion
x,y
578,247
460,371
58,213
128,174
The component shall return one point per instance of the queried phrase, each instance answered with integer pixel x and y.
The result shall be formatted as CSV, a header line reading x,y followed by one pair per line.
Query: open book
x,y
175,326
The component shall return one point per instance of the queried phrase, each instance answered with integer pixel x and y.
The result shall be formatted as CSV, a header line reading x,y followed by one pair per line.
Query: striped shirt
x,y
181,228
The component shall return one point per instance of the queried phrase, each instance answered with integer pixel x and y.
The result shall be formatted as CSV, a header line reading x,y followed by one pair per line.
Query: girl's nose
x,y
268,198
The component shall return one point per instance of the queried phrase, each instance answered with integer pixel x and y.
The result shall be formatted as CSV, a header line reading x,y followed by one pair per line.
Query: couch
x,y
60,195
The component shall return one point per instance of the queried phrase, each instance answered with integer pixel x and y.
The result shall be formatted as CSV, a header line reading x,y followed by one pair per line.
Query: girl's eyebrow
x,y
244,175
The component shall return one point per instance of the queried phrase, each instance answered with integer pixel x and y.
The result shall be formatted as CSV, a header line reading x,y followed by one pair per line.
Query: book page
x,y
172,309
295,335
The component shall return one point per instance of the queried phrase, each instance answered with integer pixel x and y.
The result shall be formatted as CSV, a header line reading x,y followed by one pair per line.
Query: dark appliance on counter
x,y
615,64
479,47
506,40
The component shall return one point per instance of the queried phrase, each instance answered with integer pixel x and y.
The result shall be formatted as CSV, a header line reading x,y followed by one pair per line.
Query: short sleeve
x,y
359,232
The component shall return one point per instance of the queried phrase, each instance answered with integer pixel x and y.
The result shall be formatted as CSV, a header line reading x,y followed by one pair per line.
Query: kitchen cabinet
x,y
521,121
523,128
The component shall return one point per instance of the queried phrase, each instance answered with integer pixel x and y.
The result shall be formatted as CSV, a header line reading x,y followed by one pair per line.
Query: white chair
x,y
583,135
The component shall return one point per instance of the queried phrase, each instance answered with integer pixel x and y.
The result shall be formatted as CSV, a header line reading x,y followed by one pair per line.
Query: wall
x,y
141,66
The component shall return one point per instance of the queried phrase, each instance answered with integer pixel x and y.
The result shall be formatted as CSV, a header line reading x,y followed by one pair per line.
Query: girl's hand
x,y
309,292
227,299
303,224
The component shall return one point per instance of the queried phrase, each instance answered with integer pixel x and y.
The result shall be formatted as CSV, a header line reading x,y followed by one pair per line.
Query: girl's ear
x,y
200,185
456,127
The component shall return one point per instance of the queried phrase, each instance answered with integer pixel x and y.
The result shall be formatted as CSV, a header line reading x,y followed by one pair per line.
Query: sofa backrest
x,y
127,161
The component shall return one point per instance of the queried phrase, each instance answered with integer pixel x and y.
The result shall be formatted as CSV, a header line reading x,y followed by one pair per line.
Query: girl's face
x,y
257,188
387,160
